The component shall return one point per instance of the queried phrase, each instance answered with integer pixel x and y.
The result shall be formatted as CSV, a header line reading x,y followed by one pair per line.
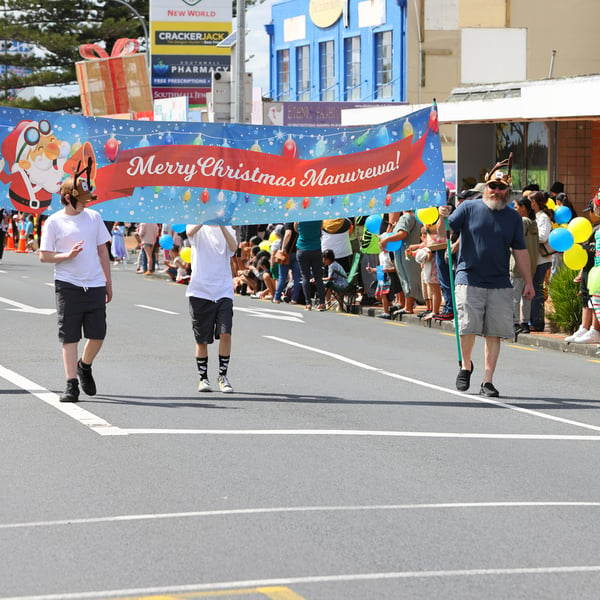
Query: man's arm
x,y
444,212
524,267
192,230
231,241
47,256
105,265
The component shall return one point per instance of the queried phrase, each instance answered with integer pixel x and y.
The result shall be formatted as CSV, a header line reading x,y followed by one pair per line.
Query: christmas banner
x,y
176,172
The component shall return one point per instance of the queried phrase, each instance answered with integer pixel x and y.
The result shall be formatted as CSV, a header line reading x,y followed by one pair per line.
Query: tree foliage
x,y
53,31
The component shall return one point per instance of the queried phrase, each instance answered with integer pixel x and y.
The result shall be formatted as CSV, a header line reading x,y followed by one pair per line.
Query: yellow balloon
x,y
428,216
551,204
581,229
273,237
575,257
265,245
186,254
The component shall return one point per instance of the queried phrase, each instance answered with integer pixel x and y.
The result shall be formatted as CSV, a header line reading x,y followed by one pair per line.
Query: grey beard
x,y
495,204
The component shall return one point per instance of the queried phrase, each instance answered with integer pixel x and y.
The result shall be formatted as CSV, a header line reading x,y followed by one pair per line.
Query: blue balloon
x,y
392,246
562,215
561,239
165,241
180,228
380,273
373,224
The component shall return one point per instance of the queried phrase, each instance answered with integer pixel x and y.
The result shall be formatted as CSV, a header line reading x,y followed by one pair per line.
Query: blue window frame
x,y
384,65
283,75
327,81
303,73
352,82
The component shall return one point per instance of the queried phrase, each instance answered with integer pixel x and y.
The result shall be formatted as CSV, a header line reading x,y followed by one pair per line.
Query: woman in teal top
x,y
311,260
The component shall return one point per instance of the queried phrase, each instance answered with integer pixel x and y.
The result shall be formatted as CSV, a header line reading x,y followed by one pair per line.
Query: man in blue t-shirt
x,y
489,229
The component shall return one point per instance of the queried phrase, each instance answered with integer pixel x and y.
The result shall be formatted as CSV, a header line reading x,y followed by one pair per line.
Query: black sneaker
x,y
71,393
463,379
488,390
84,372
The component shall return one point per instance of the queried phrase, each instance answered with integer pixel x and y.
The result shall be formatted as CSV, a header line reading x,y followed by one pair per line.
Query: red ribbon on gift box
x,y
122,47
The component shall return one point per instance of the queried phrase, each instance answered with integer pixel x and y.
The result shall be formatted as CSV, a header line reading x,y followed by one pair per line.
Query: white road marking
x,y
162,310
287,581
74,411
295,509
25,308
431,386
362,433
269,313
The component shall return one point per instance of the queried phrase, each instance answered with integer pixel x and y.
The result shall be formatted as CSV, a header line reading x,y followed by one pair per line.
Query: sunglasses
x,y
497,186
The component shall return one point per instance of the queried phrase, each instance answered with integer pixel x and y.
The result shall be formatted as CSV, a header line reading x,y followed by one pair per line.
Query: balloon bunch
x,y
568,237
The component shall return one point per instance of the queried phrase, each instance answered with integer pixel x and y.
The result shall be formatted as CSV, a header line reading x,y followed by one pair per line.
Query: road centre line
x,y
346,578
295,509
533,413
162,310
74,411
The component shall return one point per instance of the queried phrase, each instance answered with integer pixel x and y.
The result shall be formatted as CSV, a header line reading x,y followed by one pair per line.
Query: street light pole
x,y
143,24
240,70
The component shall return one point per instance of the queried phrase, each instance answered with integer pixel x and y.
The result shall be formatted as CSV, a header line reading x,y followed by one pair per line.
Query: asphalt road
x,y
344,466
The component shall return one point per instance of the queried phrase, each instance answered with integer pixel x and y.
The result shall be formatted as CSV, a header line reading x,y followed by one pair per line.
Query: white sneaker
x,y
590,337
573,337
225,385
204,386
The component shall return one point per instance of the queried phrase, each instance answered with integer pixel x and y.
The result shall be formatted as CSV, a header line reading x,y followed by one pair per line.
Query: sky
x,y
257,44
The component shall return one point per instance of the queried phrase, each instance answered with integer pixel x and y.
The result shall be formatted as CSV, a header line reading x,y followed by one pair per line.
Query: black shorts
x,y
79,308
210,319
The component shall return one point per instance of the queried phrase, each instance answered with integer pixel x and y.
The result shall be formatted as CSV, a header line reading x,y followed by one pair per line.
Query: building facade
x,y
338,50
486,54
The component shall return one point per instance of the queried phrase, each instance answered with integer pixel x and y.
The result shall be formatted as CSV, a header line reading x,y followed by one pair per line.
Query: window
x,y
352,81
529,144
326,70
303,73
283,75
383,65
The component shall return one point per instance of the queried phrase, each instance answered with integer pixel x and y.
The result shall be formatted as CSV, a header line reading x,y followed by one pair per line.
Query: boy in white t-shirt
x,y
210,294
75,241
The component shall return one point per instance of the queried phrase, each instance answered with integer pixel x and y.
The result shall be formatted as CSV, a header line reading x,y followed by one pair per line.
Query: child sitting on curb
x,y
177,268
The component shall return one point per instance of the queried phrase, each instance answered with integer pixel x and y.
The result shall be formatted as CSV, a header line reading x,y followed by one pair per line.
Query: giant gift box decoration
x,y
113,84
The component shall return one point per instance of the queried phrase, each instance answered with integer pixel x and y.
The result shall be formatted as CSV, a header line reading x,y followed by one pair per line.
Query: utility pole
x,y
240,67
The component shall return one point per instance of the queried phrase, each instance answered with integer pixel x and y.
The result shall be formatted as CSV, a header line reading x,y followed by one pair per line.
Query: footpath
x,y
545,339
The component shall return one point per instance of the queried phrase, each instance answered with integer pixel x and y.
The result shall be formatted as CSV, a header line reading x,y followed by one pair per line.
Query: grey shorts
x,y
483,311
210,319
80,308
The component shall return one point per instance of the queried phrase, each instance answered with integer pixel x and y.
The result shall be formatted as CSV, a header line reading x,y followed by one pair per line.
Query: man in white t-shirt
x,y
210,294
75,239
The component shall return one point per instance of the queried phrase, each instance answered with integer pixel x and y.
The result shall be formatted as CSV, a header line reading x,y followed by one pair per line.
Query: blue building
x,y
338,50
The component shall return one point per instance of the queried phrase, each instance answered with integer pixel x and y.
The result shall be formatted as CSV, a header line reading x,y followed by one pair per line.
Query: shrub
x,y
565,312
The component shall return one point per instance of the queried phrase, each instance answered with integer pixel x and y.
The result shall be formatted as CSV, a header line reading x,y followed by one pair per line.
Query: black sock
x,y
202,367
223,364
84,365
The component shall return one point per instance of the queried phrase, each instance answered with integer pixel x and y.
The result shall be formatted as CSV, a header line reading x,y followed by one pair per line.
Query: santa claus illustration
x,y
36,161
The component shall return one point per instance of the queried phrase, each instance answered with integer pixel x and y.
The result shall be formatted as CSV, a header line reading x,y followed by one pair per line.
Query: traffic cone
x,y
10,244
22,242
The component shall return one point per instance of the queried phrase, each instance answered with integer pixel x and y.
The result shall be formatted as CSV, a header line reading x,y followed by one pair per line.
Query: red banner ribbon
x,y
393,166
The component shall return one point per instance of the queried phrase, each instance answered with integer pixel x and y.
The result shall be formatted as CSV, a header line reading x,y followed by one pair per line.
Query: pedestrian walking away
x,y
489,228
75,241
210,294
